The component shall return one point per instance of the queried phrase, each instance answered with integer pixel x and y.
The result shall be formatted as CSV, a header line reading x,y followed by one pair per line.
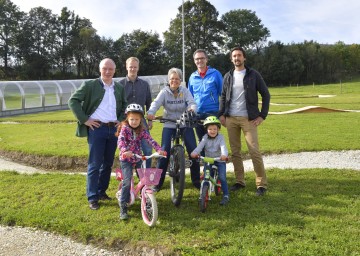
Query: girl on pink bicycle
x,y
130,133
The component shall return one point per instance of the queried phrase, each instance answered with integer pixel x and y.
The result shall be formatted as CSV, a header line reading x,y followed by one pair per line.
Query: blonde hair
x,y
130,59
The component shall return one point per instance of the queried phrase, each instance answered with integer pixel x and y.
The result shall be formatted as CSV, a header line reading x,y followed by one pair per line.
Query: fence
x,y
24,97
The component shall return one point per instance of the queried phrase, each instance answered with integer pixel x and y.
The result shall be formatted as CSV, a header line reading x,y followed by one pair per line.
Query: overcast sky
x,y
324,21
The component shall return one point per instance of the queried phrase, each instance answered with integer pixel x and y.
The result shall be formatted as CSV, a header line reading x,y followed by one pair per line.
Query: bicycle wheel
x,y
177,174
204,198
149,209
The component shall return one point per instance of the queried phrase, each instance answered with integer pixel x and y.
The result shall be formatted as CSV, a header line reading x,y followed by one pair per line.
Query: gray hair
x,y
175,70
106,60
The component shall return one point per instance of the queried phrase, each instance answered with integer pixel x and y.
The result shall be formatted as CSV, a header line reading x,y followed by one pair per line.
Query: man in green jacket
x,y
99,106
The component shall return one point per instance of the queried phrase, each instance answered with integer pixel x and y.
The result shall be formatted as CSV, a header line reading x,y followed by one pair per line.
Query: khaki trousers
x,y
234,126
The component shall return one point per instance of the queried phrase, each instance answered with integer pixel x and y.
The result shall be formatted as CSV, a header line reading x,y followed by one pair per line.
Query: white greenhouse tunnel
x,y
22,97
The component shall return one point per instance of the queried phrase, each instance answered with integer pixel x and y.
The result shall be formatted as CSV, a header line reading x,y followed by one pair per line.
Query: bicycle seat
x,y
189,119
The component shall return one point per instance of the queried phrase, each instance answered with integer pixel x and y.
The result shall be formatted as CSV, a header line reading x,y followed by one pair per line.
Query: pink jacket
x,y
128,142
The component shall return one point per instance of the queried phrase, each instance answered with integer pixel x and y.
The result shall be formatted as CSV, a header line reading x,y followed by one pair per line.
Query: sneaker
x,y
123,212
94,205
237,186
105,197
260,191
225,200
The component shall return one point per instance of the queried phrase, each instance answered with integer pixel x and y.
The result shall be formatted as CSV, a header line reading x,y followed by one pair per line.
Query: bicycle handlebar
x,y
162,120
156,155
211,160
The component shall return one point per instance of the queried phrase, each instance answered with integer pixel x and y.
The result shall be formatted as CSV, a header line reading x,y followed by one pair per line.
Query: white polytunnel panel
x,y
20,97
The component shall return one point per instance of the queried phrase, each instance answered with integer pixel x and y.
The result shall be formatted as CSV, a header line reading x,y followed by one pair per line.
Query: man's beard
x,y
238,63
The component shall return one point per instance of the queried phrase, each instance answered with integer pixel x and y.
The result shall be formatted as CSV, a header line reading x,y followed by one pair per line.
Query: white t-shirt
x,y
238,102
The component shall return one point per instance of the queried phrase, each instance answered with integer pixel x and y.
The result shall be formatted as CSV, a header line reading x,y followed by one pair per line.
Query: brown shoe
x,y
236,186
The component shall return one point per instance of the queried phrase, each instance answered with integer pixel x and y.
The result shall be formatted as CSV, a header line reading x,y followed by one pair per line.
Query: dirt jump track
x,y
312,109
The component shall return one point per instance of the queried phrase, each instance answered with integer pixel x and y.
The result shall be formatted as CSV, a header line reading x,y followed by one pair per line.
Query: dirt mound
x,y
311,109
73,164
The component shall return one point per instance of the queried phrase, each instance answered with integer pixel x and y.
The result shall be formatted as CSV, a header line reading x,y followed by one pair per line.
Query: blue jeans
x,y
190,144
127,172
102,146
222,176
147,151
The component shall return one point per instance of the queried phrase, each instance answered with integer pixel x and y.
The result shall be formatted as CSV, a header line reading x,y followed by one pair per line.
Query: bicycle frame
x,y
209,183
177,163
144,192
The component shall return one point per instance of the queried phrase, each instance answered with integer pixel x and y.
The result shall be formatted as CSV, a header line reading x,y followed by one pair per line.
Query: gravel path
x,y
27,241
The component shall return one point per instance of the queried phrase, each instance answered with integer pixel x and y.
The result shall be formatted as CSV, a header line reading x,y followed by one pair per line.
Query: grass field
x,y
305,212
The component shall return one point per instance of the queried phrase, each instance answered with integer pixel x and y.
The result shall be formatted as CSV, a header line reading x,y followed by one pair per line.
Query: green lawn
x,y
305,212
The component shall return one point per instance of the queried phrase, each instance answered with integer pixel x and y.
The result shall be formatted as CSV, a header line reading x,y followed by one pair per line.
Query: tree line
x,y
41,45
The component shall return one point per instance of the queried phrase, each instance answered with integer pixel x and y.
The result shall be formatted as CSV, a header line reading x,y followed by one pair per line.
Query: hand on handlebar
x,y
163,153
194,155
128,154
150,117
224,158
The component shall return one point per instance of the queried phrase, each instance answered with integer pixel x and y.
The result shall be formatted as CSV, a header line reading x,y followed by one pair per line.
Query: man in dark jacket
x,y
99,106
239,111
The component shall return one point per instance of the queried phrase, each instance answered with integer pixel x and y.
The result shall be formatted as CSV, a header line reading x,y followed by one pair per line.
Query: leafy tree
x,y
281,64
146,46
202,30
10,23
311,58
38,40
83,35
244,28
65,23
354,59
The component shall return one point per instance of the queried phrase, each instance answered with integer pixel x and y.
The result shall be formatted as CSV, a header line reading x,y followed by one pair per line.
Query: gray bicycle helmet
x,y
133,107
189,119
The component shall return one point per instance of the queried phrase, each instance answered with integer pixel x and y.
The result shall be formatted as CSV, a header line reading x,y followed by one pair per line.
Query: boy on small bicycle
x,y
130,133
213,143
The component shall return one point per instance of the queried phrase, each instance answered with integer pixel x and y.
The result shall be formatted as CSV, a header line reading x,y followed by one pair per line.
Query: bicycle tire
x,y
177,177
204,197
149,209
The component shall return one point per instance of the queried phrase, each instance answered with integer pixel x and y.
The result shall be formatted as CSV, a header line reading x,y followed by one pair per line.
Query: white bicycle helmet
x,y
133,107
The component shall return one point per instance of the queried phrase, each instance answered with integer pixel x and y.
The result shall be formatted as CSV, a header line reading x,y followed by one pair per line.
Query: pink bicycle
x,y
148,177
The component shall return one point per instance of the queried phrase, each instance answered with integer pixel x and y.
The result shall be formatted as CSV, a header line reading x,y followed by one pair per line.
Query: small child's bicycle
x,y
148,177
209,183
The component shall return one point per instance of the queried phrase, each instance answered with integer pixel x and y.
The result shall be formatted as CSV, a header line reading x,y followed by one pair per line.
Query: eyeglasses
x,y
174,79
201,58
